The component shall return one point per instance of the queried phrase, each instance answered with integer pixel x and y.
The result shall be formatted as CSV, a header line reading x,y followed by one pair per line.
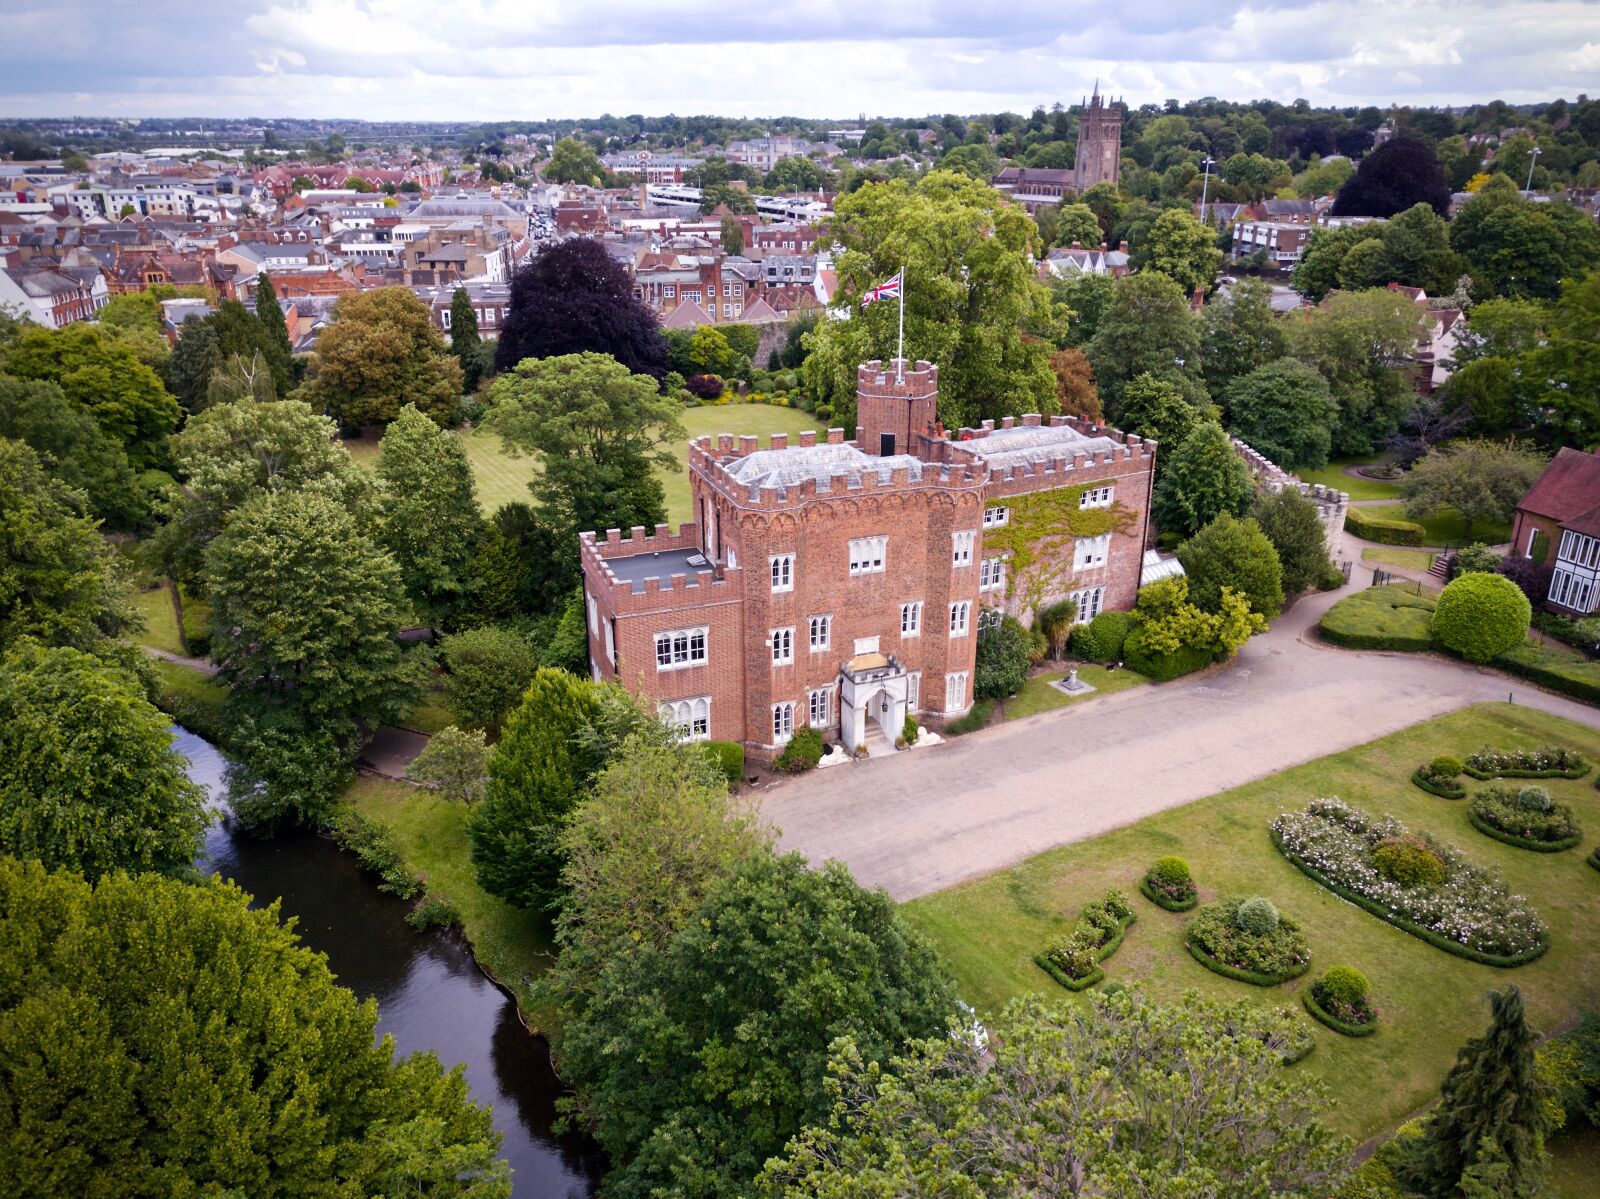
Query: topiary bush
x,y
1444,768
1381,529
1439,776
1343,984
1481,615
1339,1000
802,753
1475,558
1409,862
1257,916
1159,666
1004,656
910,730
1101,640
1169,884
1525,817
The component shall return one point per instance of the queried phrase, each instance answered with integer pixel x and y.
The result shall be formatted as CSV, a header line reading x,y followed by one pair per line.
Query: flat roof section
x,y
1029,444
658,564
787,467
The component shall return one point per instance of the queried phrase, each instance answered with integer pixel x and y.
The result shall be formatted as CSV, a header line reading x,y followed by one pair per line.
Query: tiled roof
x,y
1568,490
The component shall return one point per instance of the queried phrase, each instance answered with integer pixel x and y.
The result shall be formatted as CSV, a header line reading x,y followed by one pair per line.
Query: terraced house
x,y
842,584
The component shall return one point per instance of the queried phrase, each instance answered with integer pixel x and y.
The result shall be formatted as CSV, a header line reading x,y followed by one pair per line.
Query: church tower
x,y
1099,144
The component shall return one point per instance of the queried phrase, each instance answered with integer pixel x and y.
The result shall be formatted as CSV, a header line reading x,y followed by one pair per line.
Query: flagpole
x,y
900,345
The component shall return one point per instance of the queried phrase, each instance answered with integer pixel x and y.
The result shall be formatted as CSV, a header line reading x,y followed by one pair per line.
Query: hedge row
x,y
1253,977
1594,858
1382,529
1452,791
1071,984
1505,961
1161,901
1577,772
1339,1026
1489,830
1581,680
1160,667
1301,1051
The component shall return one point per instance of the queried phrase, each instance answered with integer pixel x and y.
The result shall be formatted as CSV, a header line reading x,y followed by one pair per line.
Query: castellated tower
x,y
1099,144
895,414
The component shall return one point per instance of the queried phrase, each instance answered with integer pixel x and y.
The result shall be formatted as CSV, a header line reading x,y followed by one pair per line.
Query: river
x,y
430,993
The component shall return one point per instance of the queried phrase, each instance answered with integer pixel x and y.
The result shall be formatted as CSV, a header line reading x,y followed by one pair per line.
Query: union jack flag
x,y
889,289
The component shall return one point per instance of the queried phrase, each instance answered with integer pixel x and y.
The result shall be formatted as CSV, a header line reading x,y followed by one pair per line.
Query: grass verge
x,y
1037,694
1393,555
1355,486
1445,527
431,834
987,931
161,622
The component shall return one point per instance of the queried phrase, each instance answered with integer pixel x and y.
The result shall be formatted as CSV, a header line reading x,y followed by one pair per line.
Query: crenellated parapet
x,y
625,566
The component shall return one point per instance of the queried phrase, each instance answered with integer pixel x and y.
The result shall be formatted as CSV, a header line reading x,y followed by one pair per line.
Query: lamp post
x,y
1533,160
1206,164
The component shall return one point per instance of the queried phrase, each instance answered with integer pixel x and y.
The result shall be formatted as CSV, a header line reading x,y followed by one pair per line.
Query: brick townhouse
x,y
841,584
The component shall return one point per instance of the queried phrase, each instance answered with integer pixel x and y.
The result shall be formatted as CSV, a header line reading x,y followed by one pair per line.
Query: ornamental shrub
x,y
1101,640
704,387
1444,768
802,753
1173,871
1361,523
1005,650
1409,862
1257,916
1531,799
1481,615
1163,667
1476,558
1525,814
1280,953
1342,984
728,758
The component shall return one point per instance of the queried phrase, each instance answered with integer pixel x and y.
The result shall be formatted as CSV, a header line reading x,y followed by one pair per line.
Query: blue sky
x,y
500,59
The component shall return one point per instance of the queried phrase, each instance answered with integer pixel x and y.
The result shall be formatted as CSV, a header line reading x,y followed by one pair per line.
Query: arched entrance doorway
x,y
872,700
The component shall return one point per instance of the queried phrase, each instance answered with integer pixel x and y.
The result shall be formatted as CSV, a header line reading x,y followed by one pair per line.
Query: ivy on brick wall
x,y
1037,537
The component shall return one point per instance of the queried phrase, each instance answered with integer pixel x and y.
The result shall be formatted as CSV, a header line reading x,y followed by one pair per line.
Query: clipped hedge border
x,y
1489,830
1439,789
1161,901
1382,529
1343,1027
1253,977
1300,1052
1101,954
1504,961
1594,858
1573,773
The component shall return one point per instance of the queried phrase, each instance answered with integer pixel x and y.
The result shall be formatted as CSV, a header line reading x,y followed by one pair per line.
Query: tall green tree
x,y
166,1039
431,522
73,448
1491,1103
88,778
1078,223
572,161
1521,248
1119,1096
275,347
1239,331
1235,553
1284,410
599,432
1157,410
194,359
1569,402
1322,263
537,774
1291,523
1146,329
59,582
305,610
486,672
465,343
1482,480
379,353
696,1062
1182,249
240,379
970,288
1203,479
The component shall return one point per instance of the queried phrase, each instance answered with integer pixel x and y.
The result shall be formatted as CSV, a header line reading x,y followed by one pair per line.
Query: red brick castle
x,y
841,584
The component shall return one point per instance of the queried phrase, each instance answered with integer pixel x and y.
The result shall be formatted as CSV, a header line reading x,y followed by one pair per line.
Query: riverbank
x,y
512,947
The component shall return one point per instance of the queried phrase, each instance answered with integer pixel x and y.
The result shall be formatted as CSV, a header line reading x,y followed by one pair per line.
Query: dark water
x,y
430,993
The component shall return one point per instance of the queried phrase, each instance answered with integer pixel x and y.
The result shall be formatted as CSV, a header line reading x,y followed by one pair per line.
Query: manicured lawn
x,y
501,478
513,945
1446,526
760,419
161,622
988,930
431,715
1393,555
1037,695
1356,487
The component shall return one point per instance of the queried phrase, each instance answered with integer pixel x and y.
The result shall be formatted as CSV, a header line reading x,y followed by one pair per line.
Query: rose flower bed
x,y
1546,762
1417,884
1074,958
1247,940
1525,817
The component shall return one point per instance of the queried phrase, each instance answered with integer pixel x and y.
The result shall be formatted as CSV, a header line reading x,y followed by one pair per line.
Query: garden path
x,y
927,819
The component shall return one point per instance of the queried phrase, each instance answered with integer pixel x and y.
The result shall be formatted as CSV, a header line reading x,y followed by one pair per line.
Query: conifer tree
x,y
1491,1111
465,343
275,345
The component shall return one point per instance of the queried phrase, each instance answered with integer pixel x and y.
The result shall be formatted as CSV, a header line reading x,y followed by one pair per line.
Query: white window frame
x,y
782,642
819,630
868,555
782,722
692,653
989,618
914,691
594,616
960,618
1089,601
782,567
683,715
819,707
911,618
993,518
1090,553
991,574
961,547
955,691
1097,497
